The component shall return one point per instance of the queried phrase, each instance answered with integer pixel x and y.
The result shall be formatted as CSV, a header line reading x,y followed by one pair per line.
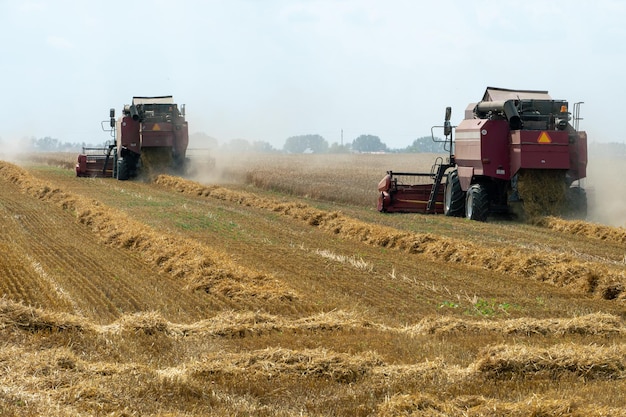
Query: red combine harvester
x,y
152,134
511,147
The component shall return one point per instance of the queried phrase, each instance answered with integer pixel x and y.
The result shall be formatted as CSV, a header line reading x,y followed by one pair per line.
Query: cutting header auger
x,y
151,136
514,147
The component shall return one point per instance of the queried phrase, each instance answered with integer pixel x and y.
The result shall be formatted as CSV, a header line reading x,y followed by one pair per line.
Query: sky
x,y
265,70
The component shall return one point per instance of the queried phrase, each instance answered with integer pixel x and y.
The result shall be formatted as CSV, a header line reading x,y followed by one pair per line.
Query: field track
x,y
180,297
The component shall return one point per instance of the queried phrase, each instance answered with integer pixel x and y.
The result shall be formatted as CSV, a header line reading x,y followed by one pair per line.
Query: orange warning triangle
x,y
544,138
156,127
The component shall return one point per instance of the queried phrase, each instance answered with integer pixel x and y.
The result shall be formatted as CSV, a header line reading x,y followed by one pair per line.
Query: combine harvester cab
x,y
514,147
151,136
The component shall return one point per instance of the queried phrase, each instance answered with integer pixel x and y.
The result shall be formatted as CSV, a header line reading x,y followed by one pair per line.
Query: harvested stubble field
x,y
272,287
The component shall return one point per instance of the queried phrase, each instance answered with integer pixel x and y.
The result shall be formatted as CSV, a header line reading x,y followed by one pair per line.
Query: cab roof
x,y
503,94
153,100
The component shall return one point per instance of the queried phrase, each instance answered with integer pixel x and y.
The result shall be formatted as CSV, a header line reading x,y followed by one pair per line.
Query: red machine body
x,y
506,135
151,129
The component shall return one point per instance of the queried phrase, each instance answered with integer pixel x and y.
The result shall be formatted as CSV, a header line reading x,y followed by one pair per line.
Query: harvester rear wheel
x,y
454,197
576,199
477,203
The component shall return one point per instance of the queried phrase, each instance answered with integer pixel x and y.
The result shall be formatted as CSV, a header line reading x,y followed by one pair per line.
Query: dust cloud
x,y
606,188
213,166
11,150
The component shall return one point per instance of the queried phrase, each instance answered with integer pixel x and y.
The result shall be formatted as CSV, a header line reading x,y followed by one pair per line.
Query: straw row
x,y
586,229
232,324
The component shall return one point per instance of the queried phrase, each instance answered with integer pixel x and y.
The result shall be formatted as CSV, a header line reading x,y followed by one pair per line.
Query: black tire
x,y
454,197
576,198
477,203
122,169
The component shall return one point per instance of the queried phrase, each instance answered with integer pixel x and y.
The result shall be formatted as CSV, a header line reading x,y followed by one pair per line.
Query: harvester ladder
x,y
577,117
439,165
441,170
106,161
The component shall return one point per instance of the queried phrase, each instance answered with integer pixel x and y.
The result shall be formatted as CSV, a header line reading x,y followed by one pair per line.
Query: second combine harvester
x,y
514,146
151,135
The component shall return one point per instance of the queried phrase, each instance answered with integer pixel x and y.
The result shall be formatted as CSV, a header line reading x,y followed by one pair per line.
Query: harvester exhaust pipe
x,y
508,107
134,112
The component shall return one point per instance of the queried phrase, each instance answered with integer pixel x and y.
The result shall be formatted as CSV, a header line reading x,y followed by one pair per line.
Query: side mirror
x,y
447,128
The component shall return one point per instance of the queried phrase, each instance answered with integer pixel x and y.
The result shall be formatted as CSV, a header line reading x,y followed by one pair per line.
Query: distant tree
x,y
306,143
262,147
237,146
337,148
48,144
296,144
368,143
425,144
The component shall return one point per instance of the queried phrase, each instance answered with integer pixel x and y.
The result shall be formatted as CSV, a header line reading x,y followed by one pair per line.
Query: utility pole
x,y
341,137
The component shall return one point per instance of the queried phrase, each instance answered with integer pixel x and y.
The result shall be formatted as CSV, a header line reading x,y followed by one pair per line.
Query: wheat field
x,y
270,286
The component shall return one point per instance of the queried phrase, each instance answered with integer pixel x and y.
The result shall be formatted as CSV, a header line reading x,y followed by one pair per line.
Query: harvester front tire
x,y
122,169
454,197
477,203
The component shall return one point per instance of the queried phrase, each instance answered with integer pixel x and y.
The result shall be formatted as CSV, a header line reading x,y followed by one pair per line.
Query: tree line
x,y
314,143
45,144
301,144
295,144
